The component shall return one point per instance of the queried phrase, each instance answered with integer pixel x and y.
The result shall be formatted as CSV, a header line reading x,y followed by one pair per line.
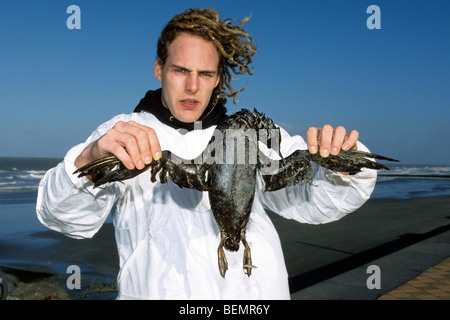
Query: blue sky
x,y
317,63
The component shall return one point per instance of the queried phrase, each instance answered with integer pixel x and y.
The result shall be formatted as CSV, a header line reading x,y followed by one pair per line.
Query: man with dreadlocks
x,y
166,236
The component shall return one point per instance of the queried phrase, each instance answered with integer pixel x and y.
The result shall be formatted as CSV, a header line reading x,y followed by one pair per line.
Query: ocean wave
x,y
9,189
417,171
32,174
20,181
7,183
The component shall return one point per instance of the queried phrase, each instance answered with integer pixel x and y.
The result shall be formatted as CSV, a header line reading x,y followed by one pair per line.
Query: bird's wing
x,y
351,161
185,173
296,168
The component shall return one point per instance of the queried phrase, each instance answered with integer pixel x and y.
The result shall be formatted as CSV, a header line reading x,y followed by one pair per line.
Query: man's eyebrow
x,y
180,67
188,70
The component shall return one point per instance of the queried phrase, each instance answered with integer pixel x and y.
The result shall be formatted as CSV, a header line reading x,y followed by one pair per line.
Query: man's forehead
x,y
193,53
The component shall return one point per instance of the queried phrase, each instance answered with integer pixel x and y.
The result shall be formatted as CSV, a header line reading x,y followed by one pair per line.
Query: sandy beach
x,y
36,270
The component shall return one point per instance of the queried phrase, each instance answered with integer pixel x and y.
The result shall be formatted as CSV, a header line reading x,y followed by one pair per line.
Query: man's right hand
x,y
132,143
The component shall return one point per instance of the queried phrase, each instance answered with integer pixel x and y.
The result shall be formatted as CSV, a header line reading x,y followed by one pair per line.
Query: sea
x,y
20,230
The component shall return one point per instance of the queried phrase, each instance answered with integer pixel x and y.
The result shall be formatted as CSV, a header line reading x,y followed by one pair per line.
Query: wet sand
x,y
313,253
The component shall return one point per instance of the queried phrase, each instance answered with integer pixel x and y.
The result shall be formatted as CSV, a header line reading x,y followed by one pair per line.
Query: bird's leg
x,y
223,264
247,258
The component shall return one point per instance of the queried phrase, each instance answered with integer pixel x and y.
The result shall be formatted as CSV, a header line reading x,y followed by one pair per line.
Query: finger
x,y
109,144
149,145
350,140
338,139
312,135
125,137
123,155
325,140
137,139
143,145
141,135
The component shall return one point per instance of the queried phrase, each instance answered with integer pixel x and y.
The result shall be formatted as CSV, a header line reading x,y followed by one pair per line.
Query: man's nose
x,y
192,83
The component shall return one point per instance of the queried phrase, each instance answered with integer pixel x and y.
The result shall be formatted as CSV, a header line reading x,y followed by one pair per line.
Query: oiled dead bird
x,y
229,176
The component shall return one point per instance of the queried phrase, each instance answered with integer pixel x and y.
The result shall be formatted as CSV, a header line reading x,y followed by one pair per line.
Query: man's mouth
x,y
189,104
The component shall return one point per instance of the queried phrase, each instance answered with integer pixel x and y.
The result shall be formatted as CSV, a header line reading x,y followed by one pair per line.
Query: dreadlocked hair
x,y
234,45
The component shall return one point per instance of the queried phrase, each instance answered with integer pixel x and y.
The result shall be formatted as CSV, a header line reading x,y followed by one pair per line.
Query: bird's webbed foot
x,y
248,266
223,263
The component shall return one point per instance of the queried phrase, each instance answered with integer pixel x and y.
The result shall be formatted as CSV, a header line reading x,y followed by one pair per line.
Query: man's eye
x,y
180,70
206,74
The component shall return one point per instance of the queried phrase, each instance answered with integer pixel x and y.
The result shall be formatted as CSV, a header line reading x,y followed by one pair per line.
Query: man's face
x,y
188,77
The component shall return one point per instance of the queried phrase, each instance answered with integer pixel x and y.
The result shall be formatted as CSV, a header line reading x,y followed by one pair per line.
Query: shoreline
x,y
36,273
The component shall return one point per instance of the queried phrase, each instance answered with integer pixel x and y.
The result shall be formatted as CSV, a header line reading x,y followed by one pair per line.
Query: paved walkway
x,y
433,284
418,272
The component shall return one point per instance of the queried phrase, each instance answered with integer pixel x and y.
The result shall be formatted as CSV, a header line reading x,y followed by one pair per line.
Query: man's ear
x,y
217,81
157,69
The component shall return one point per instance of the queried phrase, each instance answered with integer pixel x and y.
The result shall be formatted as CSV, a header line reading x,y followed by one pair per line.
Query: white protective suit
x,y
166,236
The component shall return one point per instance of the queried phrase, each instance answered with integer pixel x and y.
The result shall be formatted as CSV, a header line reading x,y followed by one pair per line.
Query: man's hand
x,y
330,140
132,143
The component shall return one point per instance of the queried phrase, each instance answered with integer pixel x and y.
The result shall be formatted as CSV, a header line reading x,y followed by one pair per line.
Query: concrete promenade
x,y
408,240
